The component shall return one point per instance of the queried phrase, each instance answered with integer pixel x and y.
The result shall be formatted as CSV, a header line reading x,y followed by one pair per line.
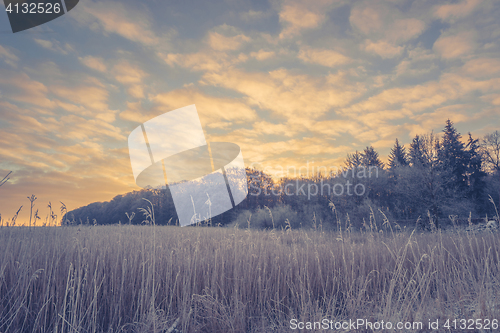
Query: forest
x,y
436,179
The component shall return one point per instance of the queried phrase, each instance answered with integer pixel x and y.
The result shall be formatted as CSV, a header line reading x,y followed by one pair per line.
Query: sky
x,y
293,83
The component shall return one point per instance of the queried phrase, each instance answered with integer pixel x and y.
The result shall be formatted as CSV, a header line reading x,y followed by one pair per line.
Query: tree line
x,y
434,178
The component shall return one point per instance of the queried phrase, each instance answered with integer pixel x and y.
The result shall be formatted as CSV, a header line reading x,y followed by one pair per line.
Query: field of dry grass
x,y
145,279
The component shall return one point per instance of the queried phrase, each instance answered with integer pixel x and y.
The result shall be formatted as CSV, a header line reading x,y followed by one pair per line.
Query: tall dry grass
x,y
105,279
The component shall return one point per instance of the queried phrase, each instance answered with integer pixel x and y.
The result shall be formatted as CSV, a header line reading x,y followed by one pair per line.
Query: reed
x,y
146,278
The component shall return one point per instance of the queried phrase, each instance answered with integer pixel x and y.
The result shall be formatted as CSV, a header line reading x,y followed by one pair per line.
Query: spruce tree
x,y
398,156
416,154
370,157
453,159
475,173
353,160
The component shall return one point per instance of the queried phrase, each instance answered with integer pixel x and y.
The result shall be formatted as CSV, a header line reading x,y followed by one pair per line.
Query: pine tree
x,y
353,160
475,173
370,157
424,187
452,158
416,154
398,156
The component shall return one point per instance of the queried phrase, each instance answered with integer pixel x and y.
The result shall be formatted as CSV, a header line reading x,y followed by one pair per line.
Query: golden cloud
x,y
455,45
286,94
367,19
299,15
9,57
220,42
328,58
452,12
115,17
22,88
383,49
95,63
262,55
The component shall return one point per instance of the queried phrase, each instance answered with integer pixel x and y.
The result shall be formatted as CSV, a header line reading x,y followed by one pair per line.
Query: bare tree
x,y
491,150
490,147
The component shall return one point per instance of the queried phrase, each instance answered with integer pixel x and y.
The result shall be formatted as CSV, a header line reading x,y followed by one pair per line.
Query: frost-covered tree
x,y
398,156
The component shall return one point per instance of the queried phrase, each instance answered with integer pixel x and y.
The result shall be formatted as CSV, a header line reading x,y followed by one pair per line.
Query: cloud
x,y
311,146
493,99
294,96
216,51
220,42
429,120
253,84
253,15
452,12
206,60
367,19
136,91
403,30
20,87
257,148
54,46
214,112
85,129
44,43
335,127
93,98
134,112
262,55
210,108
9,57
77,174
409,68
454,46
126,73
296,16
496,101
419,62
35,140
131,76
95,63
378,119
386,27
383,49
482,67
450,88
115,17
420,54
265,127
19,149
200,61
323,57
